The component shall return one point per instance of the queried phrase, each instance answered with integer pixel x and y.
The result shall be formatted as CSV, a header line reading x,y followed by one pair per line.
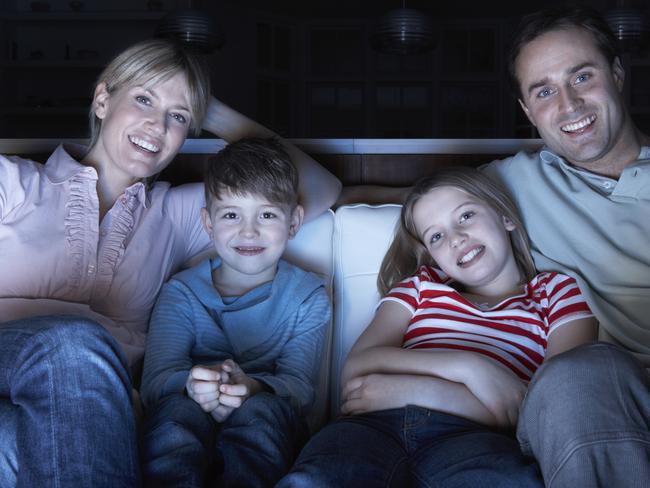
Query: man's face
x,y
572,95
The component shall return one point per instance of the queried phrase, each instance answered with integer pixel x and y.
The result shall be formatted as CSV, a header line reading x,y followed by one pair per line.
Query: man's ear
x,y
526,111
508,224
100,100
618,73
296,220
206,221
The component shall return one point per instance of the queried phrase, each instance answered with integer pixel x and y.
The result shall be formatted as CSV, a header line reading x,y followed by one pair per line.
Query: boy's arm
x,y
299,363
167,358
318,189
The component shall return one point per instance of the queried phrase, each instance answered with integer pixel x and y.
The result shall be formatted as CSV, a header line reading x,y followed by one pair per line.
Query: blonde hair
x,y
148,63
407,252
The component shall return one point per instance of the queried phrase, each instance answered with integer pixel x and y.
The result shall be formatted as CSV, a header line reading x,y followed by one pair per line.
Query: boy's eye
x,y
268,215
143,100
230,215
178,117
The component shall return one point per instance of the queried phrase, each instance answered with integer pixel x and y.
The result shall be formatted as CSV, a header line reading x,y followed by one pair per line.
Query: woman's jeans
x,y
184,447
65,406
585,419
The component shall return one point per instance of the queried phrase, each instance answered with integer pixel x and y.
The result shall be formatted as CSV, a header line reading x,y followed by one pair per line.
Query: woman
x,y
84,240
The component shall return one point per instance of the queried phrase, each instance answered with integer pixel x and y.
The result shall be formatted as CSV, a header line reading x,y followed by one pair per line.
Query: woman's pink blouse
x,y
56,257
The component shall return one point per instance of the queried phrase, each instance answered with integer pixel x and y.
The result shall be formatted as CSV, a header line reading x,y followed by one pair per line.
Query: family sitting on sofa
x,y
480,366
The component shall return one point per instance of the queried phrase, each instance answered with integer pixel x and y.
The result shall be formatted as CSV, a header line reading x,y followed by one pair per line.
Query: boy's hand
x,y
240,388
203,383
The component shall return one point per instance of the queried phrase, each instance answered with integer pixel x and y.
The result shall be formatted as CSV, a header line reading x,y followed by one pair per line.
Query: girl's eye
x,y
466,216
143,100
179,118
435,237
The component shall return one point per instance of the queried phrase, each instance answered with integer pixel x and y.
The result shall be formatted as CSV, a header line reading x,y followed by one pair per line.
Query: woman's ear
x,y
508,224
100,100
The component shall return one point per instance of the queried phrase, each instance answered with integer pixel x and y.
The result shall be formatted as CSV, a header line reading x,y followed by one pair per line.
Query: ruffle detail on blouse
x,y
116,239
74,224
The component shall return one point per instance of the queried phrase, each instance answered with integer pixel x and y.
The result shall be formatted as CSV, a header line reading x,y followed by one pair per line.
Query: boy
x,y
234,343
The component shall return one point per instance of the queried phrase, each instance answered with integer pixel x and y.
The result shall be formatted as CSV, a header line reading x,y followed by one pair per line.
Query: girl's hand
x,y
498,388
374,392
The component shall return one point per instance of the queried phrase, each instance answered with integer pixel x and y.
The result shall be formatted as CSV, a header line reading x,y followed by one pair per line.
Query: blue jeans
x,y
586,417
411,446
184,447
65,406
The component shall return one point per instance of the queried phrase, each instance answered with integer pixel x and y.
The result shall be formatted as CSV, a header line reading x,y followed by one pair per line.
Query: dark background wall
x,y
304,68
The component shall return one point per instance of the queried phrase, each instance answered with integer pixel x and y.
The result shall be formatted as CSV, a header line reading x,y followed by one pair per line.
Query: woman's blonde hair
x,y
148,63
407,252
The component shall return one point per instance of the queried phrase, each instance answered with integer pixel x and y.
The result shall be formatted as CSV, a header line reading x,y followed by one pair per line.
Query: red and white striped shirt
x,y
514,332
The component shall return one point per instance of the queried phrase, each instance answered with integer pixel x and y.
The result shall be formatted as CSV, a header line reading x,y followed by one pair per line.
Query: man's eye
x,y
582,77
143,100
179,118
544,93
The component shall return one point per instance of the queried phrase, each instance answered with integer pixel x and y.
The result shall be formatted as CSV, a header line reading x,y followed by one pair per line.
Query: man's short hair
x,y
253,166
549,19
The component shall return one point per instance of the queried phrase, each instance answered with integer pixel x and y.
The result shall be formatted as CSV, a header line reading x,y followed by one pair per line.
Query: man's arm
x,y
318,188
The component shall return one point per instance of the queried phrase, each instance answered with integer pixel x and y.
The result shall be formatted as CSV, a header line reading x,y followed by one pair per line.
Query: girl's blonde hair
x,y
407,252
148,63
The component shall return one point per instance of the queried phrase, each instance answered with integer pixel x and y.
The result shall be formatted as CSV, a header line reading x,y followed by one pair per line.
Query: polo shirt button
x,y
91,269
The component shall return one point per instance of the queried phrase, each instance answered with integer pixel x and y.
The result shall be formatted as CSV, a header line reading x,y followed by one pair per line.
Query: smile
x,y
141,143
467,258
249,251
581,124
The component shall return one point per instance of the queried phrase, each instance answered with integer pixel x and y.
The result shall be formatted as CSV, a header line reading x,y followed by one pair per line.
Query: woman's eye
x,y
143,100
179,118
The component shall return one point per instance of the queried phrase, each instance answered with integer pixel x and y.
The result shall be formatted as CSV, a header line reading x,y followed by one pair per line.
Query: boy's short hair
x,y
253,166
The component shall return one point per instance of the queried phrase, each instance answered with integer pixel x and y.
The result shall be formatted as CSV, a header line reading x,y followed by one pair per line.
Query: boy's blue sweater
x,y
275,332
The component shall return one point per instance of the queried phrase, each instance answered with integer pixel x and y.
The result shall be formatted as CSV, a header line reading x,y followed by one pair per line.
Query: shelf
x,y
45,64
46,111
134,15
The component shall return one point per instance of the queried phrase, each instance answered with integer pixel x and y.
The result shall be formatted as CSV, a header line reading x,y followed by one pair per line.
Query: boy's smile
x,y
250,235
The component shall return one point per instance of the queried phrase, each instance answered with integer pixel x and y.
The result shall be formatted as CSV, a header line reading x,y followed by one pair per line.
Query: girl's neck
x,y
494,293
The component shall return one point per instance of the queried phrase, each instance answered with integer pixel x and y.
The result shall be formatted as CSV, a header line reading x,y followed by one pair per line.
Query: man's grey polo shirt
x,y
594,228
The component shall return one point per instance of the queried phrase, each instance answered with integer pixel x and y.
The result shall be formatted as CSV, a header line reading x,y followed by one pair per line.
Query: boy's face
x,y
249,234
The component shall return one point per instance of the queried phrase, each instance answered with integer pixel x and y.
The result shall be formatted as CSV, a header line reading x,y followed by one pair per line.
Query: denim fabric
x,y
183,446
411,446
586,419
70,422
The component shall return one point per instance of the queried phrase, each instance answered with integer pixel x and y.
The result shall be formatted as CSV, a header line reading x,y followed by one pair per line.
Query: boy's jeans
x,y
184,447
65,406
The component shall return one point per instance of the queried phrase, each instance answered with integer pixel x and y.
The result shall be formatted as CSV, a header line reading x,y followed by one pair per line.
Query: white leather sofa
x,y
345,248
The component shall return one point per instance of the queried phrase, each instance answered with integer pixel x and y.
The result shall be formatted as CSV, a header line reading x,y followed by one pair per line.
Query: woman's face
x,y
143,128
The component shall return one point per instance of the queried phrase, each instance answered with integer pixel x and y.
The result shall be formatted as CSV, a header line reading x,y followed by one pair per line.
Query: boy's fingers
x,y
231,401
205,374
234,390
209,406
204,386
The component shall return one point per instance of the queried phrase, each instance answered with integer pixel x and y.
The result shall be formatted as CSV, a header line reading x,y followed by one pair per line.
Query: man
x,y
585,201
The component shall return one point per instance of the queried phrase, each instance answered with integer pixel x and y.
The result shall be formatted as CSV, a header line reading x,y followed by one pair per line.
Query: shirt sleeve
x,y
167,359
298,365
406,293
565,301
12,186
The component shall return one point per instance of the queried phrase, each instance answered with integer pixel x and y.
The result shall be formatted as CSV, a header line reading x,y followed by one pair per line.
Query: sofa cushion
x,y
361,237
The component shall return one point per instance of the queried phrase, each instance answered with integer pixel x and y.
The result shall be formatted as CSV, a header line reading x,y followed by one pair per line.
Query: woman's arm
x,y
318,188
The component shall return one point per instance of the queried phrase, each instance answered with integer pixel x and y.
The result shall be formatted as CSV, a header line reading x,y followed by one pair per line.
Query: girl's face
x,y
468,240
143,128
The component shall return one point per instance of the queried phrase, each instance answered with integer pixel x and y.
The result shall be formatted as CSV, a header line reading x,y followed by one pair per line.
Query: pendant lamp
x,y
194,28
403,31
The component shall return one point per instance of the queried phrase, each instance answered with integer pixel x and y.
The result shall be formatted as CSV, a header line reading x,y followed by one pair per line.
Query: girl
x,y
435,383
